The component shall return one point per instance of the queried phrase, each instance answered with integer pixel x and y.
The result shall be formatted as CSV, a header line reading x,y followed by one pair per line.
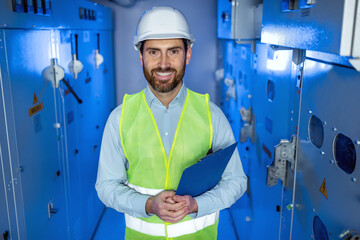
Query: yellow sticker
x,y
323,188
35,99
37,108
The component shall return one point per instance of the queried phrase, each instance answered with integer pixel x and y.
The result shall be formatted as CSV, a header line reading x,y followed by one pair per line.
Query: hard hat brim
x,y
138,40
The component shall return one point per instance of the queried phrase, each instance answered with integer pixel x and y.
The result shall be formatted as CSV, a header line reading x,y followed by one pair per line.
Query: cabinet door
x,y
37,139
326,192
85,123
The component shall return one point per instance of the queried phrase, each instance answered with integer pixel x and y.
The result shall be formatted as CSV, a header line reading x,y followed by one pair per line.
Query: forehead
x,y
163,43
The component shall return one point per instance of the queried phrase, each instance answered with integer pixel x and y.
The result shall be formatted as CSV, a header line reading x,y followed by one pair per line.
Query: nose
x,y
164,61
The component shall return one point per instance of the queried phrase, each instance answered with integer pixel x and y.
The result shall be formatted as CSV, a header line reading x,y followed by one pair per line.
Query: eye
x,y
153,52
174,51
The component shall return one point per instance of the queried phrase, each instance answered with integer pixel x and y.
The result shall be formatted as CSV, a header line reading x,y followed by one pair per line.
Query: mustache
x,y
163,70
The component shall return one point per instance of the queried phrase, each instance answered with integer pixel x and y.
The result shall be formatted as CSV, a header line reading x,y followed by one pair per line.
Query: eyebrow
x,y
158,49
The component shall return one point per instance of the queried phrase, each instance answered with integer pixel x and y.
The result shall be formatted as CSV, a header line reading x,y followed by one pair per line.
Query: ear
x,y
188,55
141,58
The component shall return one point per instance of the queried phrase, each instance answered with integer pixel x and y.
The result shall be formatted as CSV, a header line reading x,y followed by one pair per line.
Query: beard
x,y
164,87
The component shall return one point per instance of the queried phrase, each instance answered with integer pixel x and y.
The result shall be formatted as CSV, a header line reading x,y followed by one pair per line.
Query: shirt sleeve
x,y
112,178
233,183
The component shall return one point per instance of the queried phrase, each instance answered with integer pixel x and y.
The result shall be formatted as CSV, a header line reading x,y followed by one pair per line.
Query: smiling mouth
x,y
164,76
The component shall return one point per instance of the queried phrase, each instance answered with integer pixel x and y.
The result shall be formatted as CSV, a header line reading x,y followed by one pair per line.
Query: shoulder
x,y
114,117
215,110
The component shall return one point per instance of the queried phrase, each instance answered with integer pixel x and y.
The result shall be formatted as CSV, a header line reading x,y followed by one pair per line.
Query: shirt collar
x,y
179,99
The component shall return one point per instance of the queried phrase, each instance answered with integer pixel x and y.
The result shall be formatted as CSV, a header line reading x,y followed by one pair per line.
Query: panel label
x,y
323,188
35,99
37,108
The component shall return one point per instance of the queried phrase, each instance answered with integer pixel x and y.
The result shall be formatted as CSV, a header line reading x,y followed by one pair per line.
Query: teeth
x,y
163,73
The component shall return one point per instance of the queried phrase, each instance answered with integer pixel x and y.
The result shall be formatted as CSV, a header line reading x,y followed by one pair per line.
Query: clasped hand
x,y
169,207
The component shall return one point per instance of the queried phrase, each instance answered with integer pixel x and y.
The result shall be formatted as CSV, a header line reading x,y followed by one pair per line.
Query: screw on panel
x,y
324,123
357,142
310,111
353,179
332,161
322,153
290,206
334,129
248,219
5,25
314,210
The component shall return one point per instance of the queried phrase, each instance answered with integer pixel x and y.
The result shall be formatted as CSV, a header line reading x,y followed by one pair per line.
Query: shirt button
x,y
166,133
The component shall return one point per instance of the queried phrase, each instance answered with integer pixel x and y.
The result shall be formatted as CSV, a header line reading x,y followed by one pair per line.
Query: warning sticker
x,y
323,188
35,99
37,108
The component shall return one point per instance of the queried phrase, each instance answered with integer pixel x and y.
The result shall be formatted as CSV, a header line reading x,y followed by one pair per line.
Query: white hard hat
x,y
162,23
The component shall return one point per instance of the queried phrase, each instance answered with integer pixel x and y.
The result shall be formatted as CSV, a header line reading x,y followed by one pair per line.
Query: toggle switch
x,y
75,66
30,6
18,6
99,59
54,73
38,7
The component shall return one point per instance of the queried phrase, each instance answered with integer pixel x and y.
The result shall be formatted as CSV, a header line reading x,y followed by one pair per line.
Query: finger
x,y
174,206
179,212
179,198
166,194
169,200
175,219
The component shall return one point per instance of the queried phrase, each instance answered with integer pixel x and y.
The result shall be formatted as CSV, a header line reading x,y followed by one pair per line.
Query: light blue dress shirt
x,y
111,179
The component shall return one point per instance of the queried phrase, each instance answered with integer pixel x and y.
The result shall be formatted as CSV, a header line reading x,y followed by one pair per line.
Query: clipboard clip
x,y
209,153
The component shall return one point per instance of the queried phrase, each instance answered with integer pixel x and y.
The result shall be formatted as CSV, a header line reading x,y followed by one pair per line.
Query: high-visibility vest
x,y
151,172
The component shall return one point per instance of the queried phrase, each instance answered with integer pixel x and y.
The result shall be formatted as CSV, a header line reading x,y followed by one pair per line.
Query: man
x,y
154,135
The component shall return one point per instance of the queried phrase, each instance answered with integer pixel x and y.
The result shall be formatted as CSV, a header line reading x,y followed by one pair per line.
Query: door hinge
x,y
284,155
51,209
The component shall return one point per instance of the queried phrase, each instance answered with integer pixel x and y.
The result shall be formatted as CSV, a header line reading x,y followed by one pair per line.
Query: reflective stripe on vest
x,y
147,191
173,230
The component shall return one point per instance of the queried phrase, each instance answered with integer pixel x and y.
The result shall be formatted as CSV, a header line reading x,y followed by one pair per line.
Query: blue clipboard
x,y
205,174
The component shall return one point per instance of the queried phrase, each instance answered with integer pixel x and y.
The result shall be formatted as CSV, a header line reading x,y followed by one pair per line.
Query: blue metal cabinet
x,y
225,18
330,93
51,143
320,27
6,199
36,158
85,123
239,20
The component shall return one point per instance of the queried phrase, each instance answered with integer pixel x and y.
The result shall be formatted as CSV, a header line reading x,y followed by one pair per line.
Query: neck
x,y
166,98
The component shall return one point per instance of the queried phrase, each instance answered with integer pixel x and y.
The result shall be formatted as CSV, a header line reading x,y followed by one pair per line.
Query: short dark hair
x,y
185,41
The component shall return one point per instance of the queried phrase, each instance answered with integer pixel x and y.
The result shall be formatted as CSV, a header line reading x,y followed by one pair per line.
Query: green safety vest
x,y
151,172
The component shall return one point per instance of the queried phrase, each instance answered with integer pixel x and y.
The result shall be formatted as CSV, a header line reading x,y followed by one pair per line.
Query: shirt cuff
x,y
203,206
139,203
